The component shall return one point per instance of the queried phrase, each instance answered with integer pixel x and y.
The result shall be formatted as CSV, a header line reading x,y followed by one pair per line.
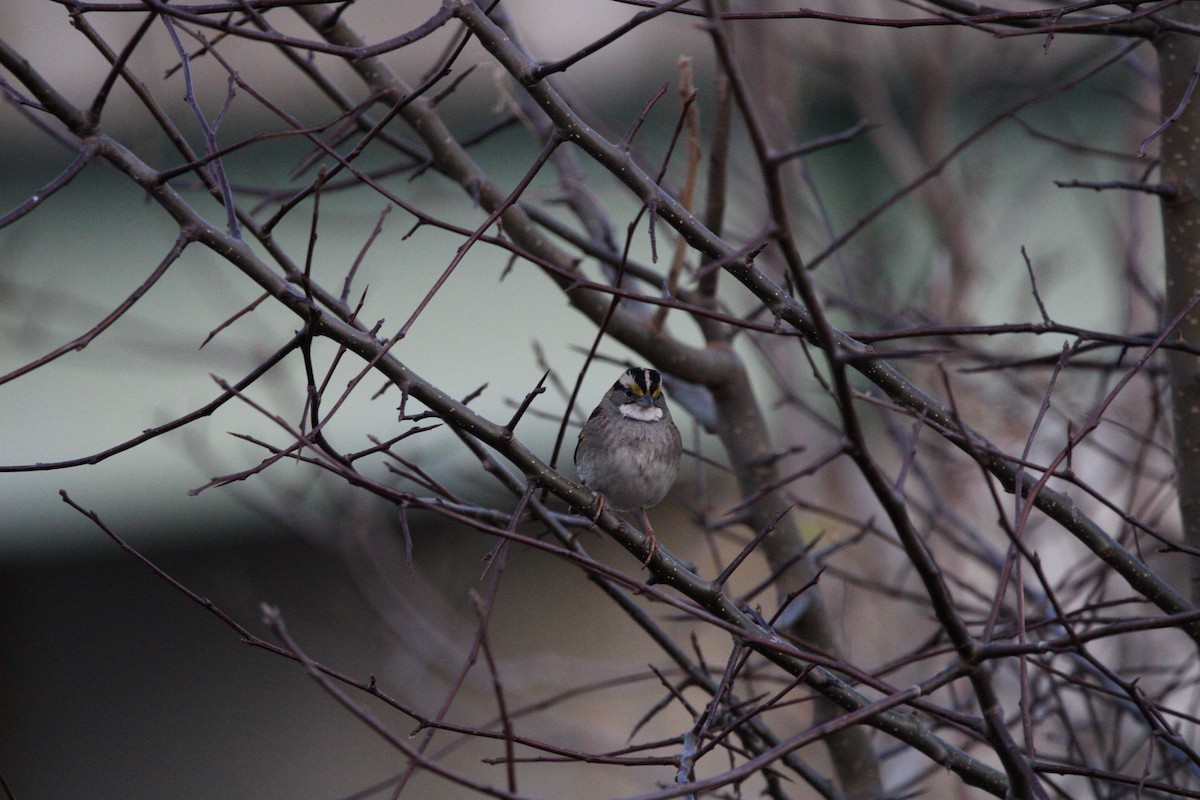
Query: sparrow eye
x,y
628,392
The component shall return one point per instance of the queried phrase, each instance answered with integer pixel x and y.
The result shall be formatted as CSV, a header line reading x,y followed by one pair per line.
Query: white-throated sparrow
x,y
628,451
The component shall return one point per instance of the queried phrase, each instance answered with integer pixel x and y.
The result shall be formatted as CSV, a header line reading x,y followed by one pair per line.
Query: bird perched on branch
x,y
628,451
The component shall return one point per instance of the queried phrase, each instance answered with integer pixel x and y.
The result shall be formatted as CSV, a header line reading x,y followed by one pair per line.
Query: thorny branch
x,y
985,650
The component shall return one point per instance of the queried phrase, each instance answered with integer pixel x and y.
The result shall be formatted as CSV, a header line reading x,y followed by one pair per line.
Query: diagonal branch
x,y
1056,505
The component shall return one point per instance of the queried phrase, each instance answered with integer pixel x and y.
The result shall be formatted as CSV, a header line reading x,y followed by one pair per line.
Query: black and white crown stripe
x,y
641,380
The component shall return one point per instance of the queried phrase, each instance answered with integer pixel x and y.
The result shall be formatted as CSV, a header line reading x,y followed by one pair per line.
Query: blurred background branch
x,y
905,508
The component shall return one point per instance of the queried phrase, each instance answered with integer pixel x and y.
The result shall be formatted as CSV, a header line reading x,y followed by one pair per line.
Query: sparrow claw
x,y
598,503
597,508
651,542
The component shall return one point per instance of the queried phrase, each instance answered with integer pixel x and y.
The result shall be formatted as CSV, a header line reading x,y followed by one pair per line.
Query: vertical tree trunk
x,y
1178,57
743,432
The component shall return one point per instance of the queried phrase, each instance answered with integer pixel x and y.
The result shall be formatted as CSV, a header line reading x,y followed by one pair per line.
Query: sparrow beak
x,y
646,400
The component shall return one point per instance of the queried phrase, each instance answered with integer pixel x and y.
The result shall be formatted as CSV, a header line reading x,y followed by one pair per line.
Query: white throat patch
x,y
640,413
